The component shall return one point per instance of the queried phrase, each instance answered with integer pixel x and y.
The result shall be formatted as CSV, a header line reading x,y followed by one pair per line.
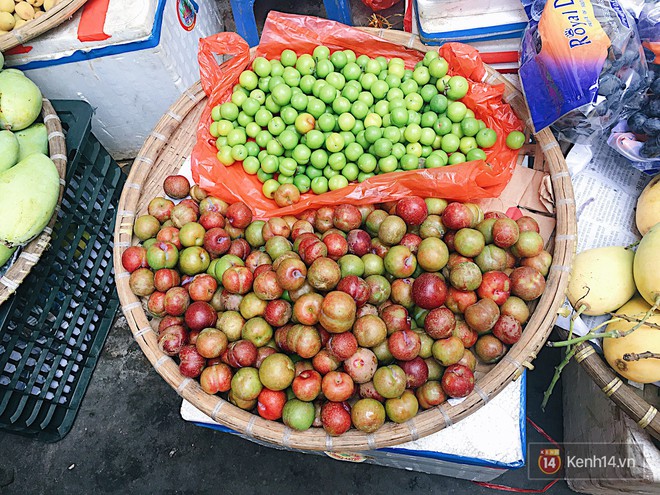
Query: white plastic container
x,y
132,68
500,53
439,21
472,449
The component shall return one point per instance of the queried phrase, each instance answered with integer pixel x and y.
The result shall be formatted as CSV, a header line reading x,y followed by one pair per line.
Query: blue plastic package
x,y
648,25
582,66
637,136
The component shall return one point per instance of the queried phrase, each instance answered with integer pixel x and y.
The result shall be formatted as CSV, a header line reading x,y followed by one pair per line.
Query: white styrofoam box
x,y
439,21
501,54
131,78
480,447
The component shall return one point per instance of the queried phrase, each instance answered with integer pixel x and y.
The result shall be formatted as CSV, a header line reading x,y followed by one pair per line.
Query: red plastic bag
x,y
377,5
462,182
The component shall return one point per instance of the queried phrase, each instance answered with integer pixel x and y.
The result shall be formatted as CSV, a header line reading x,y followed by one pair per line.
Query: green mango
x,y
34,139
20,100
16,72
5,254
2,60
28,196
9,150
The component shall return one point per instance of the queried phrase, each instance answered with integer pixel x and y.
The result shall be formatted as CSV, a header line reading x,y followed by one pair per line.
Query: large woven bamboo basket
x,y
53,18
163,153
30,254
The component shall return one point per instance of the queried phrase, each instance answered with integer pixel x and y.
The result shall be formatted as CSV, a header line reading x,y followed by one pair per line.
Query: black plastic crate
x,y
53,329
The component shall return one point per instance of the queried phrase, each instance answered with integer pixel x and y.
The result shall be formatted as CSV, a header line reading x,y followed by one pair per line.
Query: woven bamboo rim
x,y
30,254
163,153
53,18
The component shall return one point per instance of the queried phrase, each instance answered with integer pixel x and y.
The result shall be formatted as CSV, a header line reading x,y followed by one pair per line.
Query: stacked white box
x,y
439,21
444,21
132,77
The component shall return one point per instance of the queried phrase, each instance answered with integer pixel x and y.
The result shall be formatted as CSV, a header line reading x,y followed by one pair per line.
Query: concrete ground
x,y
129,438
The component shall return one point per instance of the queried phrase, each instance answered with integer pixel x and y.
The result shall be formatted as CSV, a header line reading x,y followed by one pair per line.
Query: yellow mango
x,y
645,268
602,279
647,213
644,339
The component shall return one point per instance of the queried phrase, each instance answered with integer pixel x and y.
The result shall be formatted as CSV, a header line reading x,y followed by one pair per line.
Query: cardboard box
x,y
129,60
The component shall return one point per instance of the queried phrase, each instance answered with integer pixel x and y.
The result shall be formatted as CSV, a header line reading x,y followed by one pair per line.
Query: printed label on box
x,y
187,13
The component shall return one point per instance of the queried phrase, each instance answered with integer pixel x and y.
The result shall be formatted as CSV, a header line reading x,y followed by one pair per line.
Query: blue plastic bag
x,y
648,25
630,136
582,66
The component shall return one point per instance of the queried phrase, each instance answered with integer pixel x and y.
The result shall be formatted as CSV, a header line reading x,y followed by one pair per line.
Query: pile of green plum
x,y
323,120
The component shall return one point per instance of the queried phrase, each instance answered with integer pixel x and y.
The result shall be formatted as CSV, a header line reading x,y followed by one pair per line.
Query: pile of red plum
x,y
341,317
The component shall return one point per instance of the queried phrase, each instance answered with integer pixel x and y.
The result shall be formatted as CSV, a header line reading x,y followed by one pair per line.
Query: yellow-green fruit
x,y
24,10
646,273
34,139
602,279
9,150
7,21
20,100
19,22
5,254
648,206
644,339
28,196
15,72
7,6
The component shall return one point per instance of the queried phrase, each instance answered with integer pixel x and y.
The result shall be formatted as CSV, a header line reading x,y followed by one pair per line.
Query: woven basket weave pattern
x,y
163,153
54,17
